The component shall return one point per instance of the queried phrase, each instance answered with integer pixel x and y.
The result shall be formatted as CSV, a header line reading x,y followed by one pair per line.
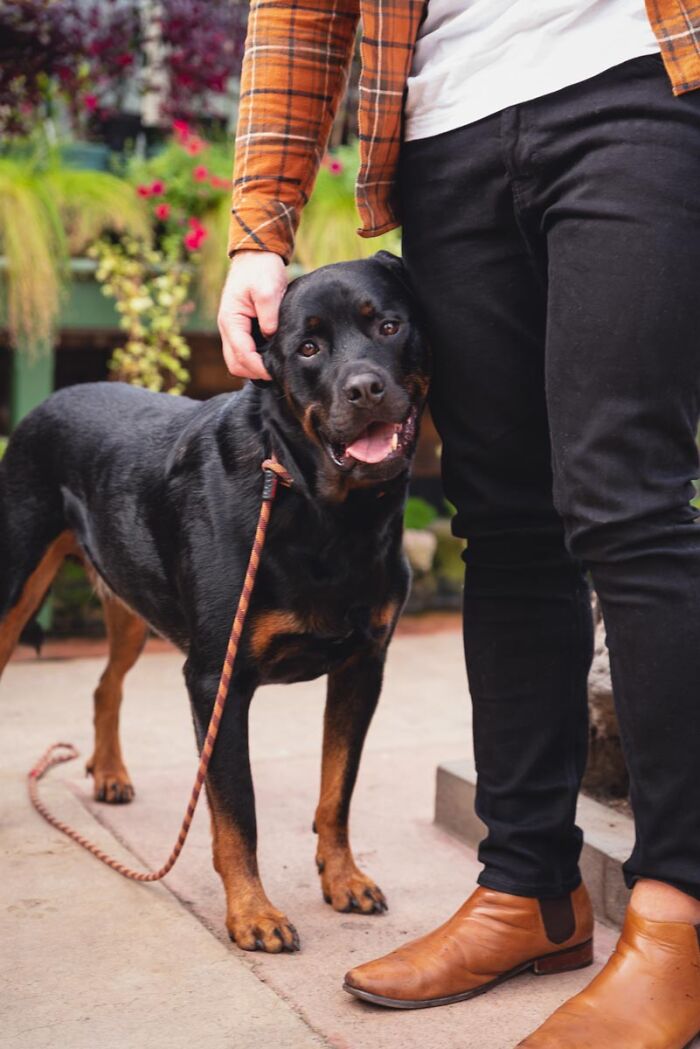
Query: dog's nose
x,y
364,390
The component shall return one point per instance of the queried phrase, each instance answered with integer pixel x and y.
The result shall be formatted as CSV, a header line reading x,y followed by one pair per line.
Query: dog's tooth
x,y
394,441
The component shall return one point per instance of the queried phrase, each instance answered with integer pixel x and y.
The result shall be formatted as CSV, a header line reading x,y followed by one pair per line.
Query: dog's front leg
x,y
253,923
353,691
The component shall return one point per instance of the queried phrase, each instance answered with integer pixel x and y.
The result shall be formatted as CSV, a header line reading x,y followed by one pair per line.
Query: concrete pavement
x,y
91,959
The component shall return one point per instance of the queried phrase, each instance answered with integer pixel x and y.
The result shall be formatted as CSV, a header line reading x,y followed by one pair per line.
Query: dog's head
x,y
353,366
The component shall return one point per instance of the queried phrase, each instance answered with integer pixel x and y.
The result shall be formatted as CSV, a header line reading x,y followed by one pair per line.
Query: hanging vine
x,y
152,300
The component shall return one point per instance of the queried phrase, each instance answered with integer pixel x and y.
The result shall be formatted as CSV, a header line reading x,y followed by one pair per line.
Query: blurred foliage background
x,y
117,122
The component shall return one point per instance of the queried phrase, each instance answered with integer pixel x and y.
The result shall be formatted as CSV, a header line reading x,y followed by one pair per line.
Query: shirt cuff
x,y
269,227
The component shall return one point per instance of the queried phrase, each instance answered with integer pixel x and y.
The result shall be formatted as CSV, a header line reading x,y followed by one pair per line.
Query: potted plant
x,y
50,212
186,189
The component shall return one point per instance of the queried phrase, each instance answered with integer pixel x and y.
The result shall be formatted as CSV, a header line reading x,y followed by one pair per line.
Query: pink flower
x,y
143,191
197,233
157,187
124,60
90,102
181,128
194,238
200,173
194,146
335,167
162,211
219,183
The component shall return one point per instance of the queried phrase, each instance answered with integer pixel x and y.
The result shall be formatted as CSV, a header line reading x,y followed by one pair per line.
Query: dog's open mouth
x,y
377,443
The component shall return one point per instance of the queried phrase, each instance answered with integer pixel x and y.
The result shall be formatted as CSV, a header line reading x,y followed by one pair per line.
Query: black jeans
x,y
555,251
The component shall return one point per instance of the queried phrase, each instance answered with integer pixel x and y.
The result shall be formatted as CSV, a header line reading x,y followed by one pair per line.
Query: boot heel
x,y
564,961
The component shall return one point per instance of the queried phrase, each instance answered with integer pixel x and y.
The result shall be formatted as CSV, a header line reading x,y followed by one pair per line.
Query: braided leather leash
x,y
59,752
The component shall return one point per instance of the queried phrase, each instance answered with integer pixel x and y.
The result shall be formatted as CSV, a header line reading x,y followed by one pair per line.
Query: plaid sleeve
x,y
676,24
294,73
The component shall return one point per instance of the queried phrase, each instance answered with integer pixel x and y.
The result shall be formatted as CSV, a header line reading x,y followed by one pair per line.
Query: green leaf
x,y
419,513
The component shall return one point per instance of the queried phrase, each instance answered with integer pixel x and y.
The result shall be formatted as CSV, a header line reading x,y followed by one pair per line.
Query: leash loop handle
x,y
59,752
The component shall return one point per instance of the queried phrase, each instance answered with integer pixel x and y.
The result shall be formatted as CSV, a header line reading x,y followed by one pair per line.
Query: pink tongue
x,y
373,445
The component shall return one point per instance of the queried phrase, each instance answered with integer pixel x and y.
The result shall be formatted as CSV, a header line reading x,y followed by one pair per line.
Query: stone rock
x,y
419,546
606,773
449,565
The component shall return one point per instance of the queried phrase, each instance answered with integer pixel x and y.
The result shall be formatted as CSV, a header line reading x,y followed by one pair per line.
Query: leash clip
x,y
270,485
274,473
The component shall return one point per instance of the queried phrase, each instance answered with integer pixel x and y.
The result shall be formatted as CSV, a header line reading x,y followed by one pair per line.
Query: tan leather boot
x,y
646,997
492,937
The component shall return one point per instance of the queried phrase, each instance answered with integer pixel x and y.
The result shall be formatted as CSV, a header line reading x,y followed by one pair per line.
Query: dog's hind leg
x,y
35,536
126,633
32,593
353,691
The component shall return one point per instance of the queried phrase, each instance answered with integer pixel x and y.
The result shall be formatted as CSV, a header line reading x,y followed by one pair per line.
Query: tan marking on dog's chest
x,y
271,625
268,625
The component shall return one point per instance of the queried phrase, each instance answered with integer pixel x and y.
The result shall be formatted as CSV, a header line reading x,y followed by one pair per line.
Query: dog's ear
x,y
267,346
395,265
259,339
387,258
263,345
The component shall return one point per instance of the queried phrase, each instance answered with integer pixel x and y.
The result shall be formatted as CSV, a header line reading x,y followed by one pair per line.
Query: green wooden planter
x,y
87,309
84,309
31,380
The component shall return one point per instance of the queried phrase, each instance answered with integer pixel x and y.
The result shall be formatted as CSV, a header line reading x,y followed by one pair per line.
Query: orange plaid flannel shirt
x,y
294,74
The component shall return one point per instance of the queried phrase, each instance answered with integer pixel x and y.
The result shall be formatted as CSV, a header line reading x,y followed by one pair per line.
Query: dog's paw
x,y
266,929
111,785
348,889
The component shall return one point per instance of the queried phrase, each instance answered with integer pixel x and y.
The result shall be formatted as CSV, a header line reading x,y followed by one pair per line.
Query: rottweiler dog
x,y
159,496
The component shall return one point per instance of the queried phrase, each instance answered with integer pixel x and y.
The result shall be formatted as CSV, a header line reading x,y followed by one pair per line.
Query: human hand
x,y
255,285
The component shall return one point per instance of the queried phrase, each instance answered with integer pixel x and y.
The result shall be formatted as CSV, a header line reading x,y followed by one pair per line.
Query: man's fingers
x,y
240,353
255,369
267,308
254,287
237,327
245,366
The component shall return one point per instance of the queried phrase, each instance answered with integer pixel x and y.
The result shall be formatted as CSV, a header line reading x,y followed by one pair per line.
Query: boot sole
x,y
565,961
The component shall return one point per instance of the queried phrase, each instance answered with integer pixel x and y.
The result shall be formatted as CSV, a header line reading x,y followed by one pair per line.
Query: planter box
x,y
85,308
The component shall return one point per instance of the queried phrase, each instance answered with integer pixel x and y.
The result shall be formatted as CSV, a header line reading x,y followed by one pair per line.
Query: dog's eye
x,y
307,349
389,327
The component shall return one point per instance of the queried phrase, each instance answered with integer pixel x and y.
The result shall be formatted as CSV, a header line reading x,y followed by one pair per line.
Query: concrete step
x,y
608,836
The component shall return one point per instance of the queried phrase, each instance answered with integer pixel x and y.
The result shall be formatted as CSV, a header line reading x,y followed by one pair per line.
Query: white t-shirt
x,y
476,57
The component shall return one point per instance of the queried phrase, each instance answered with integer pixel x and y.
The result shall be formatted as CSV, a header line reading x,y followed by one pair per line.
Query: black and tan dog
x,y
159,496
